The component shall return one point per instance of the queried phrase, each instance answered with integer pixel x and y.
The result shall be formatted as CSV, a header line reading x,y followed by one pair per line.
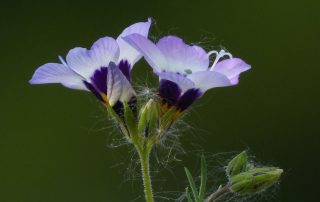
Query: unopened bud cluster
x,y
245,178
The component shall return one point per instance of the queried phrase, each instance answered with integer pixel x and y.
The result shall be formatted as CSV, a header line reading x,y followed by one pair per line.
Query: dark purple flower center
x,y
99,80
93,90
125,68
188,98
169,91
172,95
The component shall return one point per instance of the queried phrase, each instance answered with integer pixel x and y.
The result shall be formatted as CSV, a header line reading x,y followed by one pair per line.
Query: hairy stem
x,y
218,194
145,169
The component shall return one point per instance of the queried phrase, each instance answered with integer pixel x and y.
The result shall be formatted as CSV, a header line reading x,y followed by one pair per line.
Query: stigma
x,y
219,55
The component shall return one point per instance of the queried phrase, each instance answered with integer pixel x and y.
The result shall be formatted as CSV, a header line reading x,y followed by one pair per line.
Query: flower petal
x,y
232,68
209,79
183,82
105,50
169,91
119,88
127,52
181,57
94,91
125,68
57,73
148,49
99,80
85,62
188,98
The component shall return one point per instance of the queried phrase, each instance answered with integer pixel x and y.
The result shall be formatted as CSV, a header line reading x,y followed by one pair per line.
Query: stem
x,y
218,194
145,169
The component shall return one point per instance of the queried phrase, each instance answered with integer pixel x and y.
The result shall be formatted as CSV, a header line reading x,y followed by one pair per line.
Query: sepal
x,y
130,120
149,118
238,164
167,119
118,120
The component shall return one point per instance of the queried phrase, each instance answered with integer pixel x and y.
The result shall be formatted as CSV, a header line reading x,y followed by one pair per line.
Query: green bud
x,y
255,180
238,164
149,117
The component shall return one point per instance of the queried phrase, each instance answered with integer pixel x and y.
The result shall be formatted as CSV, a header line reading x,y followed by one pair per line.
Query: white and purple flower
x,y
104,69
184,71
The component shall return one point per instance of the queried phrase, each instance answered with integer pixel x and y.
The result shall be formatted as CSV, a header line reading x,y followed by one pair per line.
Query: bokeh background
x,y
56,143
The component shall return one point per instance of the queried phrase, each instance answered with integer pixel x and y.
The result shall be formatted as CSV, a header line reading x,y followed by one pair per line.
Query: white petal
x,y
85,62
57,73
105,50
119,88
206,80
148,49
183,82
182,57
127,52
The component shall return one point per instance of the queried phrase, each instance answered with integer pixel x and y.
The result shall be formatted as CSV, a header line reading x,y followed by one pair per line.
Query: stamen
x,y
219,55
62,60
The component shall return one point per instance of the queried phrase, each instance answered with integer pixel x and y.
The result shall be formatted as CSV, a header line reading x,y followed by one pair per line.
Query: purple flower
x,y
184,71
104,69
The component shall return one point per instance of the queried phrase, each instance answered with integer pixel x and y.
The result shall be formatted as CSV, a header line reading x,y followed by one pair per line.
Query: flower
x,y
184,70
104,69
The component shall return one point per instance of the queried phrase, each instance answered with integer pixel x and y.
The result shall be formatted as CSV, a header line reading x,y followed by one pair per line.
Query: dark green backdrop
x,y
54,141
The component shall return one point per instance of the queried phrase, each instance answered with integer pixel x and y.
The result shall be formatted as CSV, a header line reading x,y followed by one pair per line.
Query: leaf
x,y
192,185
188,195
203,178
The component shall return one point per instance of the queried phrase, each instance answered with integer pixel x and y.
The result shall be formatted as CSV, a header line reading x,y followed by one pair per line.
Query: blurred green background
x,y
55,142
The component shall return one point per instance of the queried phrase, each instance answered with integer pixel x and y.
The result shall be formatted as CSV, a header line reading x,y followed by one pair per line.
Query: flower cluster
x,y
184,72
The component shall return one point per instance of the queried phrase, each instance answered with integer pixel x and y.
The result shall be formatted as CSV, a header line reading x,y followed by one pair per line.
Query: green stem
x,y
218,194
145,169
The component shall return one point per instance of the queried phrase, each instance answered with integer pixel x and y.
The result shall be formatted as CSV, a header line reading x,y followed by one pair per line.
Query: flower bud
x,y
149,118
238,164
254,180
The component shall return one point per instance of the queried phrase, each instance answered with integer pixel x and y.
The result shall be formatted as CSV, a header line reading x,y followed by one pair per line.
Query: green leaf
x,y
192,185
203,178
188,195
